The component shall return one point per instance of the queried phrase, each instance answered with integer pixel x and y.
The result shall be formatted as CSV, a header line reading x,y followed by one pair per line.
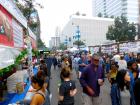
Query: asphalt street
x,y
55,81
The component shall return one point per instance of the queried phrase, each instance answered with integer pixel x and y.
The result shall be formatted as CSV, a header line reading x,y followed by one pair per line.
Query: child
x,y
67,89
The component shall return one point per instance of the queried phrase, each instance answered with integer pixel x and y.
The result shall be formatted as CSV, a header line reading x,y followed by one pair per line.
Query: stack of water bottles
x,y
16,82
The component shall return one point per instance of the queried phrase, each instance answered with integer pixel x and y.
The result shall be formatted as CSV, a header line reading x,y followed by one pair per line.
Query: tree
x,y
62,46
122,30
100,14
79,43
27,8
40,43
106,16
112,16
77,13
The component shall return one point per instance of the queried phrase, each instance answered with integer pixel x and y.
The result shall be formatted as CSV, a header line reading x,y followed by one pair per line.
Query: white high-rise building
x,y
92,30
108,8
54,42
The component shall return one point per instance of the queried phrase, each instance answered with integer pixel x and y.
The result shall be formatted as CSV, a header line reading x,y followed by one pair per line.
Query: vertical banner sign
x,y
6,31
33,43
17,34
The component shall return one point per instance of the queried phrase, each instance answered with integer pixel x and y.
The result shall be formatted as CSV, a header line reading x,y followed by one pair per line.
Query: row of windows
x,y
112,10
117,7
110,3
132,1
99,3
115,4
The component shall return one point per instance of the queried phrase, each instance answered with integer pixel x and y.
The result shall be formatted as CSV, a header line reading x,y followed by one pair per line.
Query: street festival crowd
x,y
121,70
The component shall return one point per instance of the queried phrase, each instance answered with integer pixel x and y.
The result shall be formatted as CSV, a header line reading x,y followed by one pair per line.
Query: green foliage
x,y
112,17
77,13
106,16
79,43
100,14
35,52
62,46
17,62
122,30
25,9
40,44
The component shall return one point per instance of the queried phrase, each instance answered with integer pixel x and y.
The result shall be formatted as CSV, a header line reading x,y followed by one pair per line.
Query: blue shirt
x,y
81,68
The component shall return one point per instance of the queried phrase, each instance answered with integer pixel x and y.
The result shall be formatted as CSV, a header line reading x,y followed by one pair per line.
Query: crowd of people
x,y
121,70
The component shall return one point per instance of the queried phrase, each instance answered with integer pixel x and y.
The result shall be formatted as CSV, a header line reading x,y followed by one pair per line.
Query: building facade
x,y
91,30
114,8
54,42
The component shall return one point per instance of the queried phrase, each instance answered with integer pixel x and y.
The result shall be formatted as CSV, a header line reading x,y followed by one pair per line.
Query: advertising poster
x,y
96,49
6,31
109,49
17,34
129,47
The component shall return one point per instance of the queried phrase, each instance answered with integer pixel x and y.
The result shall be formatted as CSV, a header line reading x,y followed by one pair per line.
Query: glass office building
x,y
128,8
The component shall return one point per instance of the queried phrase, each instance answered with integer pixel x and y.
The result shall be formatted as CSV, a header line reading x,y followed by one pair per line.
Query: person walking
x,y
122,63
67,89
49,64
112,73
65,63
83,62
91,80
121,92
54,60
137,91
76,66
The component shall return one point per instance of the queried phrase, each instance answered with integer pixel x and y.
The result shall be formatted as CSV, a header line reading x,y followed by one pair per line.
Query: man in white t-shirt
x,y
116,58
76,59
122,63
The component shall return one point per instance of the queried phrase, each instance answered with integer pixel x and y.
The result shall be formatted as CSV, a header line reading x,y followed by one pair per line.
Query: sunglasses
x,y
97,60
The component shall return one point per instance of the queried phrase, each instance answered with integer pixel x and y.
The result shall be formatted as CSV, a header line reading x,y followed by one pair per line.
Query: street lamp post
x,y
66,42
77,36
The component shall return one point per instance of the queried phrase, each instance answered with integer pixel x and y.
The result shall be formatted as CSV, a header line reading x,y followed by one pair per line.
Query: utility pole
x,y
78,36
66,42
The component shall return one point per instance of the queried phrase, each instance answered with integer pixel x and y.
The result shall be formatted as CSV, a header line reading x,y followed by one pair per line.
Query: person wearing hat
x,y
65,63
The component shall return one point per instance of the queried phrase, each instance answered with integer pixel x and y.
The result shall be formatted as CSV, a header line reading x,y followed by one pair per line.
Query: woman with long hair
x,y
37,82
121,93
112,73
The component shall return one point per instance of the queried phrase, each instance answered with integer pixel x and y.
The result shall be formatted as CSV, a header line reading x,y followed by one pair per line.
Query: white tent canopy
x,y
73,49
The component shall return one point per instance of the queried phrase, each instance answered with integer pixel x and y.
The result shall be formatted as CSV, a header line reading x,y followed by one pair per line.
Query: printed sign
x,y
17,34
10,6
6,31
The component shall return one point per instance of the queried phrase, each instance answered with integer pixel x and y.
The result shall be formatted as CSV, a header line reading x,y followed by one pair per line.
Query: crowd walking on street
x,y
119,72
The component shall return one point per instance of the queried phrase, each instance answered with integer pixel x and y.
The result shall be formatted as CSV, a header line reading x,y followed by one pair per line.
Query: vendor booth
x,y
14,82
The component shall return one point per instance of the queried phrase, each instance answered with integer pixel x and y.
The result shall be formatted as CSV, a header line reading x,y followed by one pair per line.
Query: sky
x,y
56,13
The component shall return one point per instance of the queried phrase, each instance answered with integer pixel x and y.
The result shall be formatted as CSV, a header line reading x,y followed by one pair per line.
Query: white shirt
x,y
125,97
76,60
122,64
